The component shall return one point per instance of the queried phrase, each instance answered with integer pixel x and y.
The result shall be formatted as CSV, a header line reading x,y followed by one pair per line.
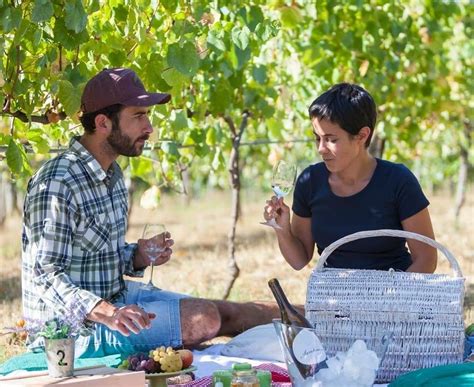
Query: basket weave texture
x,y
423,311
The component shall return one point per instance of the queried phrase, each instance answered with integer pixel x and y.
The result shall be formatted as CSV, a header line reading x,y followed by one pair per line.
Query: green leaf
x,y
174,78
266,30
35,138
240,37
20,33
220,97
121,13
38,34
180,121
66,37
117,58
10,18
42,11
184,59
76,17
184,27
14,157
290,17
170,147
214,38
140,166
239,57
260,74
70,97
274,127
218,159
255,16
197,135
169,5
211,136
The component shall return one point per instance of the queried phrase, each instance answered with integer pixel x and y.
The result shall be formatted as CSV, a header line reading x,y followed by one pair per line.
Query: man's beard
x,y
123,144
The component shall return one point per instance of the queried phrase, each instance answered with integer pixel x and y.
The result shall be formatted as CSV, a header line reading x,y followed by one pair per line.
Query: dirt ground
x,y
199,263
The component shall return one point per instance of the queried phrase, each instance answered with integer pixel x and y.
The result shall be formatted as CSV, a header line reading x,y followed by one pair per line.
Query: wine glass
x,y
283,180
154,234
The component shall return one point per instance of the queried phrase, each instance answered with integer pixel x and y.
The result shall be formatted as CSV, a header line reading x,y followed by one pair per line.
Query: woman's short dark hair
x,y
112,112
348,105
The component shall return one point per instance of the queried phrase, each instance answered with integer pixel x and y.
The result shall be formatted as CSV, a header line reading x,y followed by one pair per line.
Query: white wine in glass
x,y
283,180
154,245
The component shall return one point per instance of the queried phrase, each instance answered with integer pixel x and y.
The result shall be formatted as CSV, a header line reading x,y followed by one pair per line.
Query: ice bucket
x,y
308,364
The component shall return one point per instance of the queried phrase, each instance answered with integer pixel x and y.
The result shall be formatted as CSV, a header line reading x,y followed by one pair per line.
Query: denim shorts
x,y
165,327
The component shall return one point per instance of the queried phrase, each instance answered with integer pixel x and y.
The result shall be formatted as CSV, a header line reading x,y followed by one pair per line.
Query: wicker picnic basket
x,y
423,311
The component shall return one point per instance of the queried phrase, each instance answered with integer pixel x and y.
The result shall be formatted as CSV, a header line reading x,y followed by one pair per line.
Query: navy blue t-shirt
x,y
392,195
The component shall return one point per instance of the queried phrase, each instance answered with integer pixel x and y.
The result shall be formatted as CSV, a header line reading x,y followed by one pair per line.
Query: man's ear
x,y
102,123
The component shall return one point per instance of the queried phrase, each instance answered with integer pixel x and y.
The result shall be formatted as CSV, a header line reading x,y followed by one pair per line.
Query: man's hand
x,y
127,319
141,259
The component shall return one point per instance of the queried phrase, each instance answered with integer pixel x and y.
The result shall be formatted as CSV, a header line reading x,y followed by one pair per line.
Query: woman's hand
x,y
275,208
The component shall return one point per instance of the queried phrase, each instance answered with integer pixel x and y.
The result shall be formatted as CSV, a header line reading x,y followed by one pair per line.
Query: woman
x,y
352,191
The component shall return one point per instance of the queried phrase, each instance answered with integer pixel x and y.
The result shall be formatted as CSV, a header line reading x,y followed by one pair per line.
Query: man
x,y
74,250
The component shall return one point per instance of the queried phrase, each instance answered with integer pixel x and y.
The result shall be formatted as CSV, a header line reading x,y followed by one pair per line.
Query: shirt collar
x,y
91,164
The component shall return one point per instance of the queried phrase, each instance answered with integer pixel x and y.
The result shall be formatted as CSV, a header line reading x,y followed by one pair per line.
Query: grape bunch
x,y
168,359
140,362
160,359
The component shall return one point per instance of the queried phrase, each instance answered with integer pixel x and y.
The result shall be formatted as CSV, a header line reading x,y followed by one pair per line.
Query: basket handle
x,y
390,233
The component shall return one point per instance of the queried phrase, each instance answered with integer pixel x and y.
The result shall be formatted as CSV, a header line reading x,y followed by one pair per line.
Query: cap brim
x,y
148,99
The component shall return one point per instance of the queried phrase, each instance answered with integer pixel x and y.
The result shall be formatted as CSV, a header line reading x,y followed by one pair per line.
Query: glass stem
x,y
150,282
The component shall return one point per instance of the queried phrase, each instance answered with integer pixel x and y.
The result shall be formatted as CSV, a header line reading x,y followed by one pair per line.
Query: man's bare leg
x,y
200,320
237,317
203,320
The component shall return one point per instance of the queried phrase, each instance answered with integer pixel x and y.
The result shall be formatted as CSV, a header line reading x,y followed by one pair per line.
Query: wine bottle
x,y
289,315
293,321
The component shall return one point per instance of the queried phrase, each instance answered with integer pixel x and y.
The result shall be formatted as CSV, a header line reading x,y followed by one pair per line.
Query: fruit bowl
x,y
159,379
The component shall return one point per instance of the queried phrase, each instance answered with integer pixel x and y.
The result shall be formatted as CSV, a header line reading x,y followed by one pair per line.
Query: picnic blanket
x,y
459,375
36,361
206,361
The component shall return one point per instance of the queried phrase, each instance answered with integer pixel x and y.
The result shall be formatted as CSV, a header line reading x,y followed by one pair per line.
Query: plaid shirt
x,y
73,248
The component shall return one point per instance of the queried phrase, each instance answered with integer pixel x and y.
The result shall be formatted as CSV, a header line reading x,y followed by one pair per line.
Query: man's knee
x,y
200,320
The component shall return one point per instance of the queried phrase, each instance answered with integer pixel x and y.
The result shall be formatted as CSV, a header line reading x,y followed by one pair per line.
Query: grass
x,y
199,262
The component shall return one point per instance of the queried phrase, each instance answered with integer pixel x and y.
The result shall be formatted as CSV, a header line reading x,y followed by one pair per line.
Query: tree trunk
x,y
463,171
377,146
8,200
186,185
234,171
3,207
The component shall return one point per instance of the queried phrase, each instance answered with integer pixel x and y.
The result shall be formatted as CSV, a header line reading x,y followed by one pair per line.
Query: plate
x,y
159,379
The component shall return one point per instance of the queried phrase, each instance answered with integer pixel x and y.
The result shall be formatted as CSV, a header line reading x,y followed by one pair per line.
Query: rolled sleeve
x,y
129,253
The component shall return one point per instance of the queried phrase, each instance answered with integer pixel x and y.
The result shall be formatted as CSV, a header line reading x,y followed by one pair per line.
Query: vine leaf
x,y
66,37
42,11
70,97
16,158
184,59
241,37
76,17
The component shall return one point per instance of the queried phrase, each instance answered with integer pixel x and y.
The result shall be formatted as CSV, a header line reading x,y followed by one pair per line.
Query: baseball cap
x,y
118,86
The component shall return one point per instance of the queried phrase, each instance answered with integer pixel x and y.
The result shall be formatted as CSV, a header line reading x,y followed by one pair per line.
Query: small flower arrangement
x,y
18,333
54,328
